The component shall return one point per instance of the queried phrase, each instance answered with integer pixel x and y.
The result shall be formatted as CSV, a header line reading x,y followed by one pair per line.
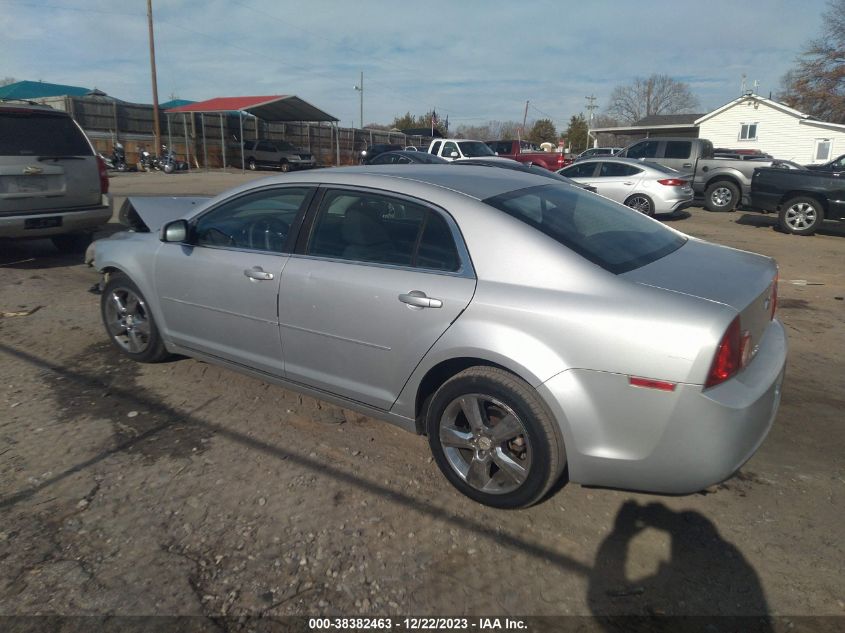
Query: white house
x,y
754,122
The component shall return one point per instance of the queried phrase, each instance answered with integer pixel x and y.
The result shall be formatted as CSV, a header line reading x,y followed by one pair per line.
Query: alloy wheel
x,y
127,320
800,216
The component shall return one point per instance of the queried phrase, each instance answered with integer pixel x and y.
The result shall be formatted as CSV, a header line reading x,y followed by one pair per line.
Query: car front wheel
x,y
493,438
129,322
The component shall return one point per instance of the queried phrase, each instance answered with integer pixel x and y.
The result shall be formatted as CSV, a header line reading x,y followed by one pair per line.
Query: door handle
x,y
257,274
418,299
629,183
687,165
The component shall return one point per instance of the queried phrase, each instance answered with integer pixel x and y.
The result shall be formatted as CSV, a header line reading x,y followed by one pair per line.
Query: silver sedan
x,y
645,186
524,325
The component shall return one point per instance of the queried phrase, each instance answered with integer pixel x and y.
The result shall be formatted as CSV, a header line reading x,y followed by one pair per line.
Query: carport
x,y
272,108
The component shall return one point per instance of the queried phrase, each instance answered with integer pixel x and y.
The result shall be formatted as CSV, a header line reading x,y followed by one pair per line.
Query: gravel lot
x,y
183,488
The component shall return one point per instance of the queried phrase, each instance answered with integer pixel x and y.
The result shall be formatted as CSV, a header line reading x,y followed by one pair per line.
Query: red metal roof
x,y
269,108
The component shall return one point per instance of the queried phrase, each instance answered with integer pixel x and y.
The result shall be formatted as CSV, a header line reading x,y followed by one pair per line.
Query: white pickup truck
x,y
453,148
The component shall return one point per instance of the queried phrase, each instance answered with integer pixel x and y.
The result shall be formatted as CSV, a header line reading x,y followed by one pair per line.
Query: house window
x,y
748,132
823,147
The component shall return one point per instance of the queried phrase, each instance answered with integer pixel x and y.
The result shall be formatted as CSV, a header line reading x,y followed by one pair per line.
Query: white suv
x,y
52,183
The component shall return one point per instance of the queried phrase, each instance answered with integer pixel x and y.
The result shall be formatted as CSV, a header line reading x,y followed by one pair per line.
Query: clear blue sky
x,y
475,60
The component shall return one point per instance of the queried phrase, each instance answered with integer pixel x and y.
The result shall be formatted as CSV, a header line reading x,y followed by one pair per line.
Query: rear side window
x,y
608,234
678,149
609,170
579,170
435,148
646,149
27,133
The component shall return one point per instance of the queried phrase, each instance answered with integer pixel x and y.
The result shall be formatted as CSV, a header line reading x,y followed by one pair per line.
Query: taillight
x,y
104,175
773,297
728,356
672,182
561,161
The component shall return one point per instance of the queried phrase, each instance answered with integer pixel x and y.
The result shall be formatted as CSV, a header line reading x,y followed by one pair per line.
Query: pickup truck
x,y
723,182
453,148
802,198
528,153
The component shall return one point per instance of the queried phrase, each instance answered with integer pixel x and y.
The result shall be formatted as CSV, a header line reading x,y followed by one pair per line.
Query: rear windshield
x,y
606,233
27,133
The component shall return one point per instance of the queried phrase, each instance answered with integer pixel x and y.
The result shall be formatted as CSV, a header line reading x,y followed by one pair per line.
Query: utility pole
x,y
156,123
360,89
591,105
524,118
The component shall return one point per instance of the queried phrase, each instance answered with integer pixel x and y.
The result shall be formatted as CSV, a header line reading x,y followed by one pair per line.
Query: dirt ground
x,y
183,488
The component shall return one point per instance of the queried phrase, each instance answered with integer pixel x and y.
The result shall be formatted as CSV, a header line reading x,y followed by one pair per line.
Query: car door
x,y
266,154
377,281
219,293
678,156
616,180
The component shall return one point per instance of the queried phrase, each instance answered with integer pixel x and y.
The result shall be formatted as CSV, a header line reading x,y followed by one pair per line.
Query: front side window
x,y
645,149
605,233
260,221
579,170
450,148
373,228
748,132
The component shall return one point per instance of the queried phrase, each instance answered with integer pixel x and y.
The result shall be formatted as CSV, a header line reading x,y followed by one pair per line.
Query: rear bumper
x,y
33,225
676,442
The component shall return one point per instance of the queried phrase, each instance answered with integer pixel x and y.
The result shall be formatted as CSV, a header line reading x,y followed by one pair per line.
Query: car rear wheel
x,y
642,203
493,438
251,164
801,216
284,166
721,196
129,322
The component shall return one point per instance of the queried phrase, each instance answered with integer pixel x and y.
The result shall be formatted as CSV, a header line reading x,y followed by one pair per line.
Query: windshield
x,y
475,148
606,233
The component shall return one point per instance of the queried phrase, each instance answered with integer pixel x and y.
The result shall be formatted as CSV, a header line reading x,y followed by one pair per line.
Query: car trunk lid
x,y
738,279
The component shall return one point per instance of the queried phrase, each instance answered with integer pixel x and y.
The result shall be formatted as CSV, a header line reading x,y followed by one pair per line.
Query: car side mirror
x,y
175,231
454,155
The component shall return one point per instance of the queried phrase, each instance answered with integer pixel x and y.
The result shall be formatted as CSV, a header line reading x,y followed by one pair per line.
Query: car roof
x,y
480,182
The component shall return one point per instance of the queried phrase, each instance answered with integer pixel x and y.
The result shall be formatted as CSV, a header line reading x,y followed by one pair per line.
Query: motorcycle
x,y
118,157
168,162
146,161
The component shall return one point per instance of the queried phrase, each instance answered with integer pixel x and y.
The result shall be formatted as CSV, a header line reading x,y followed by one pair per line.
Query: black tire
x,y
535,448
801,215
71,242
642,203
720,196
137,337
250,162
284,166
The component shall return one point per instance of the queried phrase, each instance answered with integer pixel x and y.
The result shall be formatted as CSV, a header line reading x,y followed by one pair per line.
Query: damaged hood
x,y
149,214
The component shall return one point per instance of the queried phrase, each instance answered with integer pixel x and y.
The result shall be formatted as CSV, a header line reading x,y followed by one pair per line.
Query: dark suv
x,y
52,183
276,154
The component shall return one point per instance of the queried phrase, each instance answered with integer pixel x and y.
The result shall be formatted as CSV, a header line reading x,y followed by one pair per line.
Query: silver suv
x,y
277,154
52,183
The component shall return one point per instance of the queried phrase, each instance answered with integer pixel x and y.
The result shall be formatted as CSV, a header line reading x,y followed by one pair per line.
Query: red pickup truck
x,y
526,152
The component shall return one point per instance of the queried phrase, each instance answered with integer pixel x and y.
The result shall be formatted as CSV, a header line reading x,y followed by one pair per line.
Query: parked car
x,y
802,198
405,157
594,152
453,148
507,163
837,165
368,153
52,183
648,187
528,153
523,324
723,182
280,155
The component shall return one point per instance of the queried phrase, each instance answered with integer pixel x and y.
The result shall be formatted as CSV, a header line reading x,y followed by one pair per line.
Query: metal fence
x,y
106,120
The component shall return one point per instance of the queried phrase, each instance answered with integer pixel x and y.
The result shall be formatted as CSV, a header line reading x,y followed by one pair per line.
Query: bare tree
x,y
492,130
7,80
817,83
658,94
